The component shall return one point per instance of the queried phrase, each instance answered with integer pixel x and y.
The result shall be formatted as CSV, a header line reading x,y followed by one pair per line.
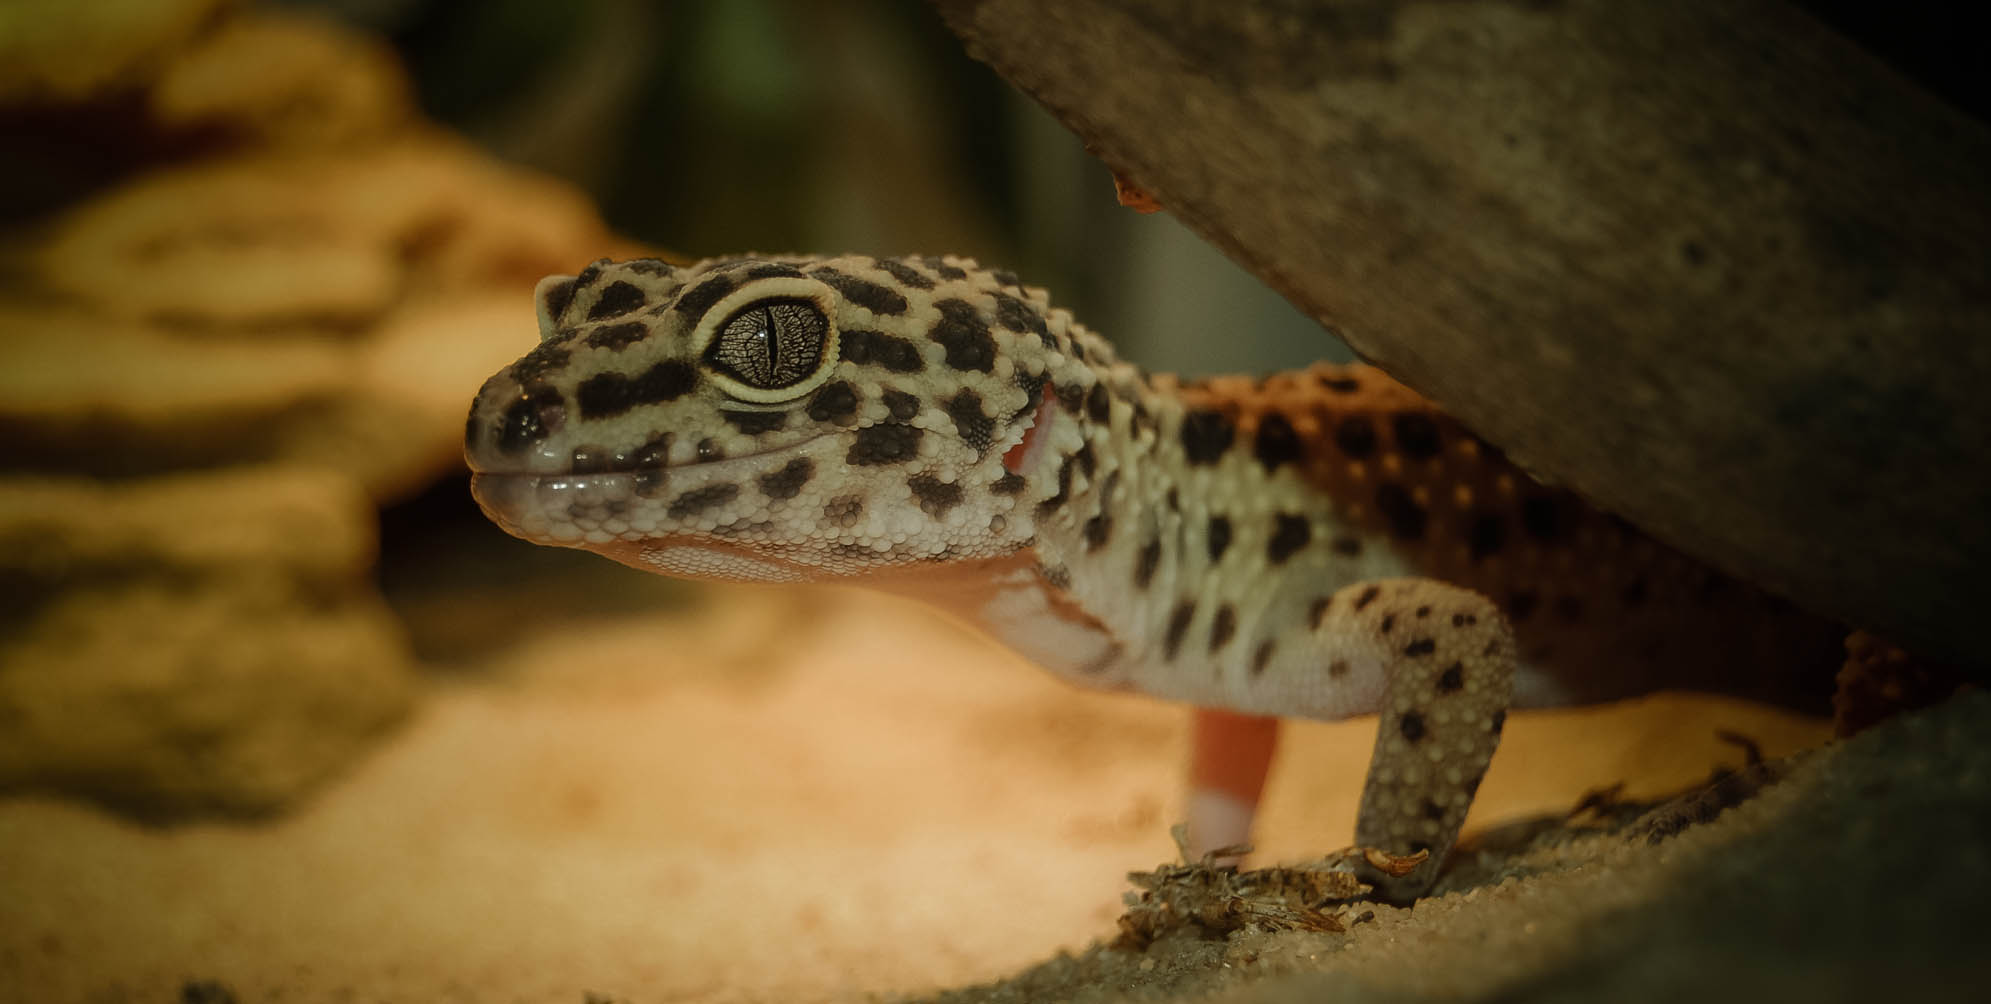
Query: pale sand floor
x,y
769,798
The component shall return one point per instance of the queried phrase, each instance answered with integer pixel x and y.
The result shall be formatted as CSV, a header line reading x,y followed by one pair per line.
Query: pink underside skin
x,y
1229,756
1023,455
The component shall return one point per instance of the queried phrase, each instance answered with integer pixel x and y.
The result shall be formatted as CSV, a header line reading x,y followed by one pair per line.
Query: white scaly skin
x,y
930,427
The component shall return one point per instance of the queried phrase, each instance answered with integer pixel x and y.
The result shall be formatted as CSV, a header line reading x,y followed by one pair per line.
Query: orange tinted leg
x,y
1229,755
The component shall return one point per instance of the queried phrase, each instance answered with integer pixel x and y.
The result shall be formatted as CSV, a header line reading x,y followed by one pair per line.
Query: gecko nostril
x,y
539,412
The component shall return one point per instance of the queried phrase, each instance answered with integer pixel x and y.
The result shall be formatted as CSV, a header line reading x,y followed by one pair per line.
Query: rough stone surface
x,y
255,295
207,642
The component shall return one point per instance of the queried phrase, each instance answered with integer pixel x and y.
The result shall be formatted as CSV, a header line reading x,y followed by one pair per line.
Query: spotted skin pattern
x,y
1320,543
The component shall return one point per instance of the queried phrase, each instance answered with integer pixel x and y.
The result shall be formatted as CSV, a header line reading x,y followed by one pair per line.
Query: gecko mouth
x,y
596,508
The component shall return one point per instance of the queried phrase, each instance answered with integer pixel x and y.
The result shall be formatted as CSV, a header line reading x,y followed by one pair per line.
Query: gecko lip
x,y
531,505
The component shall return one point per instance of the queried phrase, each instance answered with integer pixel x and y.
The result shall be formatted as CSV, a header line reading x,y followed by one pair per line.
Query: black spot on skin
x,y
935,496
1337,669
1341,384
1005,277
1499,721
1087,460
1222,627
961,331
698,500
608,394
787,482
590,460
834,402
1020,317
590,274
1289,534
1389,621
1178,625
1205,436
1521,603
774,270
843,511
1145,564
942,269
1261,657
884,443
1405,516
1009,484
753,423
648,266
616,299
1317,611
1064,491
1421,647
1070,398
1569,608
1276,442
1098,405
1058,576
862,292
557,298
1462,620
1174,501
1416,435
542,360
903,406
616,337
973,426
1219,537
1096,530
865,347
1411,725
1542,517
1347,547
1453,678
903,272
1634,593
708,450
1423,611
1356,437
1368,596
1432,810
694,302
648,461
1486,535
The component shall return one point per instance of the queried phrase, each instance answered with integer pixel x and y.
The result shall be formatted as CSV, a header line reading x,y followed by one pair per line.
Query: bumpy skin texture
x,y
1321,543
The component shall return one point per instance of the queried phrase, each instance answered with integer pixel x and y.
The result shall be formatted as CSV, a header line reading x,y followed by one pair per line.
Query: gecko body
x,y
1320,543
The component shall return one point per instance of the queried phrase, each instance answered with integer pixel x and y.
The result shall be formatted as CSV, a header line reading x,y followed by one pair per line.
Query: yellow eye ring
x,y
771,340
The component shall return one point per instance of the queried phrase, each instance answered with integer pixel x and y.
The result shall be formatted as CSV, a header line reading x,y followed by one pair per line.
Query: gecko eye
x,y
770,344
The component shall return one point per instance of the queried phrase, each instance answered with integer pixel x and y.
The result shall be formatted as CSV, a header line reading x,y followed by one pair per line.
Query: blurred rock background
x,y
257,257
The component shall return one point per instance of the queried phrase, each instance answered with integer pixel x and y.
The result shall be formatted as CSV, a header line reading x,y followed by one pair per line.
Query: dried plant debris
x,y
1215,900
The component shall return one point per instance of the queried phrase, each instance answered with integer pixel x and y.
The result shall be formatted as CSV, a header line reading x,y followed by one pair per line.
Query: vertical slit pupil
x,y
771,345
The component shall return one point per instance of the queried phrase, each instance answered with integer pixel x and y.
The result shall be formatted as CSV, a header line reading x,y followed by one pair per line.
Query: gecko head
x,y
775,418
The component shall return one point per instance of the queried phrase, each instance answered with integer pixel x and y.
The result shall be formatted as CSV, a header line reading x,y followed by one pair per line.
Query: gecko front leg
x,y
1445,659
